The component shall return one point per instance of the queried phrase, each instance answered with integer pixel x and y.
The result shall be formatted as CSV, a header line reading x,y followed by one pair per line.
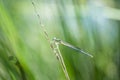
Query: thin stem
x,y
40,22
60,59
54,46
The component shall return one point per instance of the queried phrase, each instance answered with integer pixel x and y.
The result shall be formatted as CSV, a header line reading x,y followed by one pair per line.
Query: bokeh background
x,y
93,25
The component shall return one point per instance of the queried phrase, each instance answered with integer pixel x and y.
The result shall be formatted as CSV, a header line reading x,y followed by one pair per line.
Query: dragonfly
x,y
59,41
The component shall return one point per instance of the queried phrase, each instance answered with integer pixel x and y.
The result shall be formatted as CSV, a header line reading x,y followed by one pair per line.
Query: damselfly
x,y
59,41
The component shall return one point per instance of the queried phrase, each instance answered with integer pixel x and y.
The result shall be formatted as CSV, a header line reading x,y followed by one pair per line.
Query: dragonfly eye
x,y
56,40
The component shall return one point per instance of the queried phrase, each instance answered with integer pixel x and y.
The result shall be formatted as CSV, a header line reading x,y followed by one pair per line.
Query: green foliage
x,y
25,54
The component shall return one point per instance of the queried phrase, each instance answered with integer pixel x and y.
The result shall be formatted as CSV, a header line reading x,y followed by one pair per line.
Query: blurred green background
x,y
93,25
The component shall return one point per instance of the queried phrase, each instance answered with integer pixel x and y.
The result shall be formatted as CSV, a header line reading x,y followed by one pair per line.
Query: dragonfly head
x,y
56,40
